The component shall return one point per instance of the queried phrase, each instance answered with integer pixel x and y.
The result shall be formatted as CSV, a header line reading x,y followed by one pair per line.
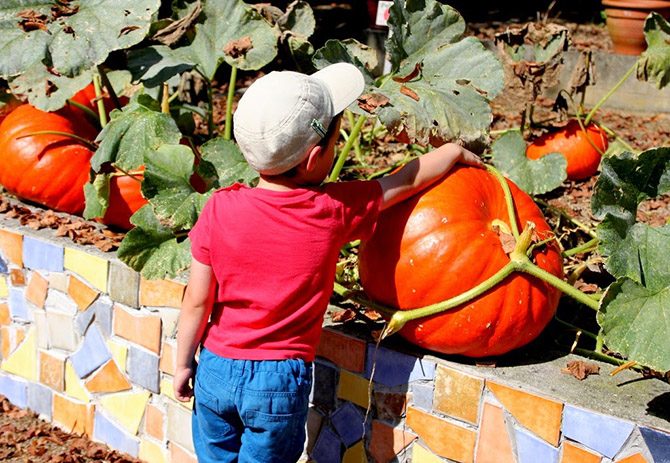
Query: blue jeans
x,y
249,410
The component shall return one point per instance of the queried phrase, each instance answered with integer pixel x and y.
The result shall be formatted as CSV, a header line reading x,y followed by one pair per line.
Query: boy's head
x,y
282,115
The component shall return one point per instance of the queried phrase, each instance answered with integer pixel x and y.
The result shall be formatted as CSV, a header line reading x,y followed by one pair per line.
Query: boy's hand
x,y
183,378
470,158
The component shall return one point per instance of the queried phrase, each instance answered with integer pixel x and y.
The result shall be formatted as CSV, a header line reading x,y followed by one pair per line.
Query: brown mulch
x,y
25,438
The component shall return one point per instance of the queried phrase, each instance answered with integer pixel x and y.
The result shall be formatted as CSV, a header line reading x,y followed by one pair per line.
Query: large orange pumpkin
x,y
442,242
573,143
47,169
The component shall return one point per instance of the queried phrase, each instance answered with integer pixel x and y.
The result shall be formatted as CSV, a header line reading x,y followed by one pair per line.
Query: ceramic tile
x,y
495,445
457,394
540,415
387,441
90,267
443,437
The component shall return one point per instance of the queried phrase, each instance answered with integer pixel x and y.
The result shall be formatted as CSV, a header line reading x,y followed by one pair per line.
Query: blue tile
x,y
103,314
15,390
348,422
115,436
39,255
83,320
328,447
3,265
324,385
395,368
601,433
18,307
92,353
531,449
142,368
40,399
422,394
658,444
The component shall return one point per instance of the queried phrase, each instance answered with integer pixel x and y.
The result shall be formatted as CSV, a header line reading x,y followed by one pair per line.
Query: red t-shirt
x,y
274,255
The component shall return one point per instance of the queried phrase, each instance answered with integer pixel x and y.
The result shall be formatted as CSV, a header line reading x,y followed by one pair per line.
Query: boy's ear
x,y
310,162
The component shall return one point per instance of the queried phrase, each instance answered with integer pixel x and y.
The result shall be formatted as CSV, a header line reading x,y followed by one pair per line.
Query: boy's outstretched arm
x,y
195,310
424,171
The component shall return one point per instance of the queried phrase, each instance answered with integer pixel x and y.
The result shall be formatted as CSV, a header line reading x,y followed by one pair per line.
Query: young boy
x,y
264,264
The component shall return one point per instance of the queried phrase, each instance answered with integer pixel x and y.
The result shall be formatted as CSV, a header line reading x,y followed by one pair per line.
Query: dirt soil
x,y
25,438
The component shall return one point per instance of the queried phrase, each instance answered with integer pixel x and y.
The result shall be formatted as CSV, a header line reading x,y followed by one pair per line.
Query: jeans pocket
x,y
203,396
275,437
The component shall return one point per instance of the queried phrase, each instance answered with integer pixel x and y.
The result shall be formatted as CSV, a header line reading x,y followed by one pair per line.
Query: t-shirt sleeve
x,y
359,202
200,234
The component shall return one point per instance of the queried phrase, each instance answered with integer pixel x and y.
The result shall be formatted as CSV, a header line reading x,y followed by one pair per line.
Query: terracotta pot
x,y
625,22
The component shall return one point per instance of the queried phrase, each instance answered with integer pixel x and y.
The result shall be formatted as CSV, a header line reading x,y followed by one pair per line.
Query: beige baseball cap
x,y
282,115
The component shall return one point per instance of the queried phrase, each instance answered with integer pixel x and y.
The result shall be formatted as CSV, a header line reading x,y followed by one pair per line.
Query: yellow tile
x,y
4,291
152,452
355,453
422,455
167,390
74,386
23,361
127,408
353,388
92,268
119,353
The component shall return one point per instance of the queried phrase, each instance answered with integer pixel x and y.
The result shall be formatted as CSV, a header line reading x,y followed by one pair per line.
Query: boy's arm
x,y
424,171
195,310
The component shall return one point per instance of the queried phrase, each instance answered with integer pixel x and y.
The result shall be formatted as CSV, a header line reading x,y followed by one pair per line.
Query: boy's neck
x,y
278,183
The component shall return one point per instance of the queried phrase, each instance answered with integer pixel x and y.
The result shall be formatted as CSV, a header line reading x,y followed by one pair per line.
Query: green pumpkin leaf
x,y
167,185
235,33
96,194
225,159
46,91
654,62
633,314
635,322
348,51
440,83
44,41
298,20
157,64
152,249
134,133
532,176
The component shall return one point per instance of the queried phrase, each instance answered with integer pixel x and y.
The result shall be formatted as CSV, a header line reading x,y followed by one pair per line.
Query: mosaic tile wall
x,y
89,345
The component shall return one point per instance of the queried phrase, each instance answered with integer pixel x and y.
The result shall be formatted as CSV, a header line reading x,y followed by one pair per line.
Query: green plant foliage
x,y
235,33
225,159
153,248
348,51
654,62
633,315
51,45
532,176
134,134
167,185
440,83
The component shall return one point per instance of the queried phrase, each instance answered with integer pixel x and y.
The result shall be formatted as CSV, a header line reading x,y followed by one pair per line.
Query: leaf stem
x,y
342,156
99,101
84,108
582,248
609,94
576,328
110,89
228,130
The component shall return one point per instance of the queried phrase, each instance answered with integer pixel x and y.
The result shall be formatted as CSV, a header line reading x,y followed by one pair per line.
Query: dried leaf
x,y
238,48
581,369
409,92
31,20
343,316
371,101
415,72
507,240
171,33
127,30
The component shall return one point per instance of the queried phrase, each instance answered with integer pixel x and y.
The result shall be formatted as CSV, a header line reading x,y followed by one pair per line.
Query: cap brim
x,y
345,83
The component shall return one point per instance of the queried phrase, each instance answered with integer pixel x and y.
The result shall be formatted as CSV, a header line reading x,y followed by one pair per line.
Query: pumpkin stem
x,y
509,200
86,142
401,317
99,101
